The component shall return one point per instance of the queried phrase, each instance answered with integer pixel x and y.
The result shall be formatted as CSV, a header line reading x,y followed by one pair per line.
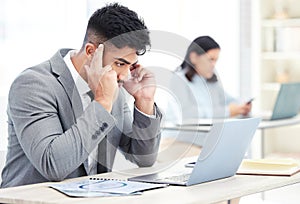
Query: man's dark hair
x,y
118,25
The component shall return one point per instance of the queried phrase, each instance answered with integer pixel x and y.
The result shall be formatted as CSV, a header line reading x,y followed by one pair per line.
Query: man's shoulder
x,y
38,77
42,71
45,67
34,72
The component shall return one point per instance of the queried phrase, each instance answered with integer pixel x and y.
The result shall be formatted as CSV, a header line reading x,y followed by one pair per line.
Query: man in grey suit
x,y
68,116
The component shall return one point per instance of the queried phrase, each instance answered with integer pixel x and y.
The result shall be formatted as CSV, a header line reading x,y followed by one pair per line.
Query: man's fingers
x,y
138,73
141,74
100,54
105,69
97,59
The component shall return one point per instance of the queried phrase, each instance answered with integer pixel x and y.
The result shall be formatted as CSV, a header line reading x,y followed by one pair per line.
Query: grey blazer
x,y
50,137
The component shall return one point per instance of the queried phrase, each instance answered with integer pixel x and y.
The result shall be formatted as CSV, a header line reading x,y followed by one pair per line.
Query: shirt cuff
x,y
150,116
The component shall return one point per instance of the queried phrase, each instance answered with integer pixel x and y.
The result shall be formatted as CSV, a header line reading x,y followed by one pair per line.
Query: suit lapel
x,y
64,77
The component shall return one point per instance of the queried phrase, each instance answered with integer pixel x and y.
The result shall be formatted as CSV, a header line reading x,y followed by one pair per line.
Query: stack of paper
x,y
278,167
103,187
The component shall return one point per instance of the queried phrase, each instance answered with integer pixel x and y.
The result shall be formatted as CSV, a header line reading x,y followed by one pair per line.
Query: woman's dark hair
x,y
118,25
200,46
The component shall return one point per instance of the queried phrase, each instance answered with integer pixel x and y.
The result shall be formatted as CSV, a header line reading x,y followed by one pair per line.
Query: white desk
x,y
211,192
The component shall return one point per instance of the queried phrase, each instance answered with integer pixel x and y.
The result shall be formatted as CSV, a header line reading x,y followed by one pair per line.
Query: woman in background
x,y
201,85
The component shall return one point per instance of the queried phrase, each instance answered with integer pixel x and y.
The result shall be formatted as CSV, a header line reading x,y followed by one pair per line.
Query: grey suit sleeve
x,y
53,151
140,140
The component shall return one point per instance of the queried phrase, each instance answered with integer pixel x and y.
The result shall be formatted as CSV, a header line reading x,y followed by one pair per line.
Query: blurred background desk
x,y
196,133
193,134
264,125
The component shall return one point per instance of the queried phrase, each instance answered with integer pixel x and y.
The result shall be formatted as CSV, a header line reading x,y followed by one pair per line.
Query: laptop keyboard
x,y
179,178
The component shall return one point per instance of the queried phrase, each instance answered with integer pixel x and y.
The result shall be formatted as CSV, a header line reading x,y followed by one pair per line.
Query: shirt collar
x,y
80,83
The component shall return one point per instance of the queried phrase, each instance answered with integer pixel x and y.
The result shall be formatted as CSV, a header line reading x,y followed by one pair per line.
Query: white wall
x,y
31,31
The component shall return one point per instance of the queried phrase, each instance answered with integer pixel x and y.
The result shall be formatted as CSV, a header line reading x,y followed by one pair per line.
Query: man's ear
x,y
89,49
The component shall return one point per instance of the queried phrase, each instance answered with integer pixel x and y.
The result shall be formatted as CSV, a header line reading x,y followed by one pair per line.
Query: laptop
x,y
221,155
287,104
